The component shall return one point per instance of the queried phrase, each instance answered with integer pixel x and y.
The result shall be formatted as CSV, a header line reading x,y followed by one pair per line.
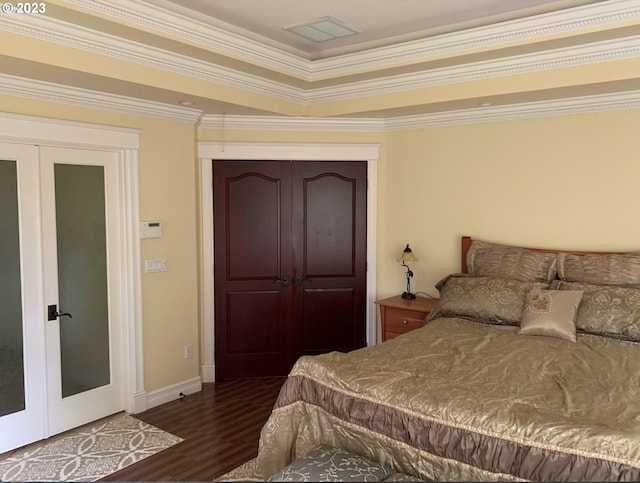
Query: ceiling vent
x,y
321,29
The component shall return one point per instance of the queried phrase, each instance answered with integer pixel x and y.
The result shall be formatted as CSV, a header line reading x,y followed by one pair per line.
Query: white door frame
x,y
208,151
125,142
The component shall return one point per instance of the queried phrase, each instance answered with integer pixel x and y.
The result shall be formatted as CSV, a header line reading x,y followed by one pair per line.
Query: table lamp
x,y
408,257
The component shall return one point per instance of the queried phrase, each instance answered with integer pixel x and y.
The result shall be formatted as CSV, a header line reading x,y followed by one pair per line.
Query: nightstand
x,y
400,315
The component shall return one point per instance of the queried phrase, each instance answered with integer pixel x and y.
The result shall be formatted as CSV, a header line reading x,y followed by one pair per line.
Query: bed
x,y
527,369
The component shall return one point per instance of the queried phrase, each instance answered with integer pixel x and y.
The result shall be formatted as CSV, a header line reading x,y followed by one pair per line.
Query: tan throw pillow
x,y
551,313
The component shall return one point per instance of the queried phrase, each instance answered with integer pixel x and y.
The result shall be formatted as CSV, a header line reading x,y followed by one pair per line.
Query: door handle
x,y
300,279
53,314
286,281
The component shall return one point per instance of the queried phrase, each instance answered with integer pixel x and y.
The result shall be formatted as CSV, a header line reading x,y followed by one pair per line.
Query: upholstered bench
x,y
326,463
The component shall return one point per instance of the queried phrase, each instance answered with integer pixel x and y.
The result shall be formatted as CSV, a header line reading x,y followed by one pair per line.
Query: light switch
x,y
155,265
150,229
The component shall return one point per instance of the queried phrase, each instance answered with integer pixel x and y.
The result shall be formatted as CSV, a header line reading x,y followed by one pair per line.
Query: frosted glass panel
x,y
82,277
11,342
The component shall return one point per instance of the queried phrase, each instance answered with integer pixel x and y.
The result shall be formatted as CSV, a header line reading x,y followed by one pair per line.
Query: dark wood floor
x,y
220,426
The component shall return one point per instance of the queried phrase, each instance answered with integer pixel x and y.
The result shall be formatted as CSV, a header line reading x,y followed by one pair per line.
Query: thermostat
x,y
150,229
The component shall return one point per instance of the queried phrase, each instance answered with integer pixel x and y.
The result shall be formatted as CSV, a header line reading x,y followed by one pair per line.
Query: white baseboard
x,y
139,403
171,393
208,373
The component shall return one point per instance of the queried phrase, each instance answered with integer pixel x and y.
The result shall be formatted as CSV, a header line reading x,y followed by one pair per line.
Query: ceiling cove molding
x,y
56,31
495,36
199,32
53,30
596,52
528,110
581,105
48,91
278,123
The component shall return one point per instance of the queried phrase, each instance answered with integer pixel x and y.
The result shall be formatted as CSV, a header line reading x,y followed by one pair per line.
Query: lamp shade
x,y
407,255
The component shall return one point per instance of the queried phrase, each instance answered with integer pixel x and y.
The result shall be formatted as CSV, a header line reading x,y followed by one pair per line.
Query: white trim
x,y
525,110
528,110
19,128
52,132
56,31
596,52
64,33
75,96
282,151
281,123
172,392
167,20
554,107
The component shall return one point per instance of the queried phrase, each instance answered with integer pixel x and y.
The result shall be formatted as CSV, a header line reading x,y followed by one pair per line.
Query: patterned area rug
x,y
87,453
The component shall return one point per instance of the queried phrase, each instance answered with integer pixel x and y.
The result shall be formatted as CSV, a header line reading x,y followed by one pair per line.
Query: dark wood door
x,y
330,253
290,263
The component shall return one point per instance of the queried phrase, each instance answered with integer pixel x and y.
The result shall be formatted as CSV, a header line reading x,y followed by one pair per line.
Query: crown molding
x,y
53,30
187,28
525,110
56,31
48,91
491,36
277,123
558,107
177,25
593,53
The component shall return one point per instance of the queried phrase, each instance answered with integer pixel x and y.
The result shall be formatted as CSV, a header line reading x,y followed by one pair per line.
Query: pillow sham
x,y
551,313
491,260
487,299
610,269
607,309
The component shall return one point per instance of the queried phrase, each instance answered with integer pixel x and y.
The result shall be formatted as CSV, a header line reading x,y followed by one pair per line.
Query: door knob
x,y
286,281
53,313
300,279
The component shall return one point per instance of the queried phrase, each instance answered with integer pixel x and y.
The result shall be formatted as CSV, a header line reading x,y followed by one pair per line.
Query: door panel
x,y
252,203
21,328
12,395
328,320
329,228
82,277
329,248
80,206
290,262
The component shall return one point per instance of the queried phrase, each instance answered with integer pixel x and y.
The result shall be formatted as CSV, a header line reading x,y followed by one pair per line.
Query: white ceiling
x,y
380,22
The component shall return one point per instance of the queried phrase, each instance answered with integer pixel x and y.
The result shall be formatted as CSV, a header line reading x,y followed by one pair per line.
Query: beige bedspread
x,y
462,400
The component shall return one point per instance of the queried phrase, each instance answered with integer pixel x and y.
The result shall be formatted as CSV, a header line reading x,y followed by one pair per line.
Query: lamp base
x,y
408,295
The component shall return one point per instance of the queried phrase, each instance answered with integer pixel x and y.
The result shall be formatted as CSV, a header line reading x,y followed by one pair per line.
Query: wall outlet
x,y
188,351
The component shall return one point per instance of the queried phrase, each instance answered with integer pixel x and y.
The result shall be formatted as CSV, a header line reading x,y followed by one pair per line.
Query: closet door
x,y
330,255
253,286
22,381
290,263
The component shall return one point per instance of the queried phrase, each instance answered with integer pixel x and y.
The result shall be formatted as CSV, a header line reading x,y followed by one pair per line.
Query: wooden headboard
x,y
466,243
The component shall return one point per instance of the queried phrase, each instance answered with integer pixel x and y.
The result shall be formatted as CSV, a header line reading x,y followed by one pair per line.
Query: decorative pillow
x,y
607,309
551,313
612,269
488,299
326,463
490,260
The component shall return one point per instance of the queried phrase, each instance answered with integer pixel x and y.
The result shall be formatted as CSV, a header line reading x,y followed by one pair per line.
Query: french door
x,y
61,348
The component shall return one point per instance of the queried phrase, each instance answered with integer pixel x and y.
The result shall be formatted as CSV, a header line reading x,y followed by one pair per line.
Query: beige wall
x,y
562,182
167,173
565,182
